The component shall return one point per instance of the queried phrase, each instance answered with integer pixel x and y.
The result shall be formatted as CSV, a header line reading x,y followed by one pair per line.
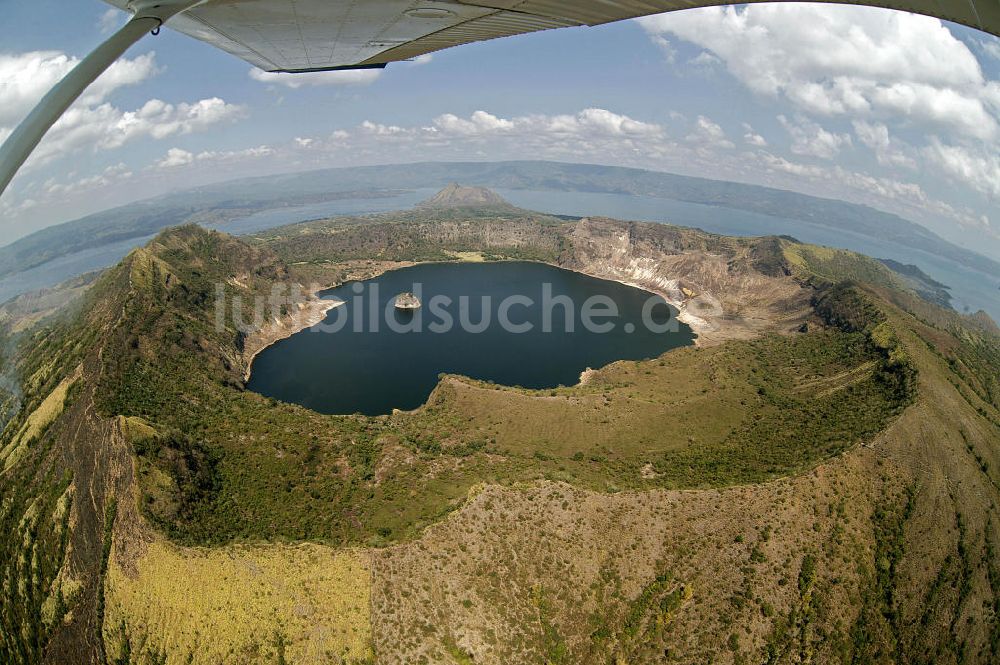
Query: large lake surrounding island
x,y
354,362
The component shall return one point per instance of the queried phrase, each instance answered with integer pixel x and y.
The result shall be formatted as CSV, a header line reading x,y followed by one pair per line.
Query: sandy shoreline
x,y
698,325
311,311
309,314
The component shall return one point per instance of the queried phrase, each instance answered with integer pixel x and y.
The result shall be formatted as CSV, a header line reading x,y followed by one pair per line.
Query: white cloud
x,y
888,152
235,155
26,77
836,60
588,124
708,133
773,162
905,198
111,20
317,79
106,127
159,119
669,52
379,129
109,176
810,139
592,135
178,157
751,137
175,157
479,122
92,122
620,139
977,167
704,59
990,46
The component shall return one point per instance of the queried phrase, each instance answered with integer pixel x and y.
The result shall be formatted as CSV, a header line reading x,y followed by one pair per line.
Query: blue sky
x,y
893,110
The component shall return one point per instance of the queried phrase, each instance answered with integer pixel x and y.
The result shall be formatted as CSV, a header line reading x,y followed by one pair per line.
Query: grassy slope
x,y
885,554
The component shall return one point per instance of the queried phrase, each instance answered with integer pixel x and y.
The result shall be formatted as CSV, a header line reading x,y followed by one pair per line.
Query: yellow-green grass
x,y
247,604
835,265
625,410
468,257
35,424
136,428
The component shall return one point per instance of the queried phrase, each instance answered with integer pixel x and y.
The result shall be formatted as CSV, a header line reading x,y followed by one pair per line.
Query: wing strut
x,y
23,140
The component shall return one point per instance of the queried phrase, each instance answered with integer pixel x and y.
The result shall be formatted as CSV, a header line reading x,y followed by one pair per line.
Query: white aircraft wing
x,y
321,35
316,35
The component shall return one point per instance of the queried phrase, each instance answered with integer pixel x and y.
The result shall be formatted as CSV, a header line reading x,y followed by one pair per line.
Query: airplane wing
x,y
319,35
322,35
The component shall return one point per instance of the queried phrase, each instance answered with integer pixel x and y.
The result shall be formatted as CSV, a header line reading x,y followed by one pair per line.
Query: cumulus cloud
x,y
888,74
906,198
176,157
704,59
977,167
669,52
594,134
109,176
835,60
26,77
93,122
588,123
888,151
991,47
255,152
106,127
479,122
751,137
111,20
708,133
317,79
584,128
159,119
809,139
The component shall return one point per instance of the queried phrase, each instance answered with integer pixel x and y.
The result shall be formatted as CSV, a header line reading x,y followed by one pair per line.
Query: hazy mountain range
x,y
221,202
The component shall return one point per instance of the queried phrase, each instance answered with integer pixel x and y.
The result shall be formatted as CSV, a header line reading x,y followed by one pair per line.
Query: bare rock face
x,y
712,280
461,196
407,301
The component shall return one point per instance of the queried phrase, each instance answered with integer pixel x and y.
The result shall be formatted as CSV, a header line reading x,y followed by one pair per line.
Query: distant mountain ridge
x,y
227,199
922,283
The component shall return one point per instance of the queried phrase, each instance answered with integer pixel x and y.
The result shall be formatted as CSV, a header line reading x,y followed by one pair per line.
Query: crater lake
x,y
513,323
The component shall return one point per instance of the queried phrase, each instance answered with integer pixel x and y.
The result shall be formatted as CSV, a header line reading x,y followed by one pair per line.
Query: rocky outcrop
x,y
407,301
714,281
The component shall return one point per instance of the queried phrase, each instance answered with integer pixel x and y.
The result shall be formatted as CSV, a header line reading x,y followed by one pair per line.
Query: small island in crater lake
x,y
407,300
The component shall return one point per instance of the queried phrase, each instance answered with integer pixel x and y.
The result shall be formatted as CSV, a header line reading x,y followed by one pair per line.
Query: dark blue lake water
x,y
546,342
